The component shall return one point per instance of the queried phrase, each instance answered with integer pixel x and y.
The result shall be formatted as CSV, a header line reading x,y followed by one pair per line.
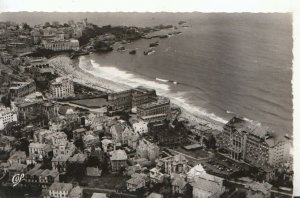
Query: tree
x,y
26,26
79,144
47,24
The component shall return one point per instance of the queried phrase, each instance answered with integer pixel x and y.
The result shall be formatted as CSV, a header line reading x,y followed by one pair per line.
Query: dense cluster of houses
x,y
47,140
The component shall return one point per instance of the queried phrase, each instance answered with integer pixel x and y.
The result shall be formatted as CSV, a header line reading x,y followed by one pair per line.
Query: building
x,y
7,115
120,101
48,177
56,138
140,127
147,149
137,181
156,176
259,190
76,164
90,140
61,87
6,143
78,133
204,185
107,145
130,138
116,132
178,184
76,192
177,164
64,148
155,195
155,111
21,89
43,110
40,135
39,150
252,143
118,160
60,190
142,95
99,195
60,45
59,163
14,169
19,157
279,150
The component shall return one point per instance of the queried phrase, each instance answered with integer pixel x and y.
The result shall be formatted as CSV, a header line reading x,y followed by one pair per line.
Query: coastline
x,y
72,68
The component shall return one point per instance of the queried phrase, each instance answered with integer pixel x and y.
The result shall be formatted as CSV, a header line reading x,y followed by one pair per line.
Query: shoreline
x,y
71,67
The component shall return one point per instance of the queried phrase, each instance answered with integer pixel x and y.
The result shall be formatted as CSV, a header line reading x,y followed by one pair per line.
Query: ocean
x,y
224,64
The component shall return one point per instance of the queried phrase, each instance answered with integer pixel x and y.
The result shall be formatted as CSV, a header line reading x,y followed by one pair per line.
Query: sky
x,y
147,5
186,6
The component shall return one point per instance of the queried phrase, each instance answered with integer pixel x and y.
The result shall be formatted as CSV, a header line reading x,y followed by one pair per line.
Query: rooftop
x,y
160,101
118,155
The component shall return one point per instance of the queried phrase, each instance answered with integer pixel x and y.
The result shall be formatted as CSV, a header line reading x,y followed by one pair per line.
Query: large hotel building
x,y
126,100
157,110
254,144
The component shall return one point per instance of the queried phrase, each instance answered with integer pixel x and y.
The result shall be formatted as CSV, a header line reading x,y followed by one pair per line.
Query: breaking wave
x,y
116,75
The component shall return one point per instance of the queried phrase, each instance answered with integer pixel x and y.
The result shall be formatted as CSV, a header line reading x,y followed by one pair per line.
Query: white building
x,y
65,148
204,184
279,150
62,87
38,149
60,190
140,127
61,45
7,116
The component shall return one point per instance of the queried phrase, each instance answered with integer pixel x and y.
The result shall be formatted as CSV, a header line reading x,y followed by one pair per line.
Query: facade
x,y
90,140
136,182
59,163
129,137
19,157
21,89
7,115
78,133
56,138
62,87
39,149
279,150
65,148
253,143
47,177
6,143
116,132
76,192
176,164
148,150
142,95
118,160
140,127
60,190
178,184
204,184
120,101
155,111
61,45
156,176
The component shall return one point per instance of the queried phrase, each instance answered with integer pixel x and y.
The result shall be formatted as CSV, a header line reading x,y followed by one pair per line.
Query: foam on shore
x,y
116,75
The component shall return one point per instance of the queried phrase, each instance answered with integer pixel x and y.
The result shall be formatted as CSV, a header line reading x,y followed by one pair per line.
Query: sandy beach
x,y
66,66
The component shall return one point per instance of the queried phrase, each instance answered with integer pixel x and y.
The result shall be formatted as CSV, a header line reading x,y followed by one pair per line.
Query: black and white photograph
x,y
112,99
